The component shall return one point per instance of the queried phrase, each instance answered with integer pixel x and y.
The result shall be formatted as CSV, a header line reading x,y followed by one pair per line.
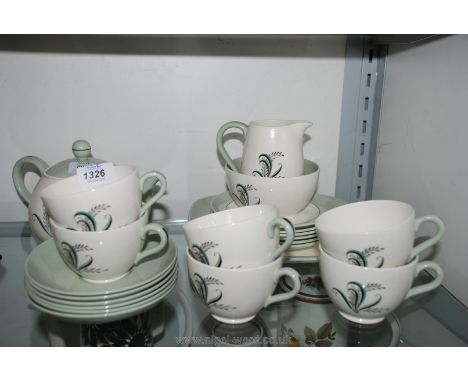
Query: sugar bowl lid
x,y
82,155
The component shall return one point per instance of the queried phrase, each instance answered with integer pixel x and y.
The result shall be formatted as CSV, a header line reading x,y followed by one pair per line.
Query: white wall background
x,y
422,155
162,110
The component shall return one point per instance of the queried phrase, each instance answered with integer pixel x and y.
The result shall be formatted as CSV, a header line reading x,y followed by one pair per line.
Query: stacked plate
x,y
54,289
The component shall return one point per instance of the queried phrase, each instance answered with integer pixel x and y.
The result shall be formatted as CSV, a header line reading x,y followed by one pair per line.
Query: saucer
x,y
46,270
114,315
101,305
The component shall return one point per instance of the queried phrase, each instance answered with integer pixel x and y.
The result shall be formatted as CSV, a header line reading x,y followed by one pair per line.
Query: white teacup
x,y
238,238
104,207
105,256
273,148
289,195
235,296
374,233
366,295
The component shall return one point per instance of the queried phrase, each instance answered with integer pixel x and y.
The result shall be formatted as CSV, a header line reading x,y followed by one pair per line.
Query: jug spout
x,y
300,126
291,126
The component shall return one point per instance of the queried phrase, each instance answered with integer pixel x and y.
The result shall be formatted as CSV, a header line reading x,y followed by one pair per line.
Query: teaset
x,y
110,262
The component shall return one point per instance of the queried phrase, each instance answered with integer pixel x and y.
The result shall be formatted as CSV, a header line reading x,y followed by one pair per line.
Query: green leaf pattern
x,y
357,299
79,263
44,221
359,258
199,253
201,285
266,165
242,195
86,221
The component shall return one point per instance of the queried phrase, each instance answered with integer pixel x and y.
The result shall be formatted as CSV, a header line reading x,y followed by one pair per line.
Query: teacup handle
x,y
152,228
431,241
162,189
287,226
294,276
219,141
423,265
20,169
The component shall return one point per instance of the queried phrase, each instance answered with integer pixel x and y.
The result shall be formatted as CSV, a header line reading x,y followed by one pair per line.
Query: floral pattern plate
x,y
312,290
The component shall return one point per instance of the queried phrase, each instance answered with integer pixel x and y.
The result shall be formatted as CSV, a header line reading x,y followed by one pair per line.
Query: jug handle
x,y
219,141
21,168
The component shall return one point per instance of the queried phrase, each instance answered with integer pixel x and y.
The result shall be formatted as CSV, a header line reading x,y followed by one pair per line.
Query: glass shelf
x,y
435,319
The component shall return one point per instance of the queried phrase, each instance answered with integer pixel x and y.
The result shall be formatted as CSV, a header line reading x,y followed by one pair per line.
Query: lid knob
x,y
81,150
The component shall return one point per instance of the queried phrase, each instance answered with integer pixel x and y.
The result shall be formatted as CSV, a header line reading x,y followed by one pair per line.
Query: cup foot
x,y
233,321
361,320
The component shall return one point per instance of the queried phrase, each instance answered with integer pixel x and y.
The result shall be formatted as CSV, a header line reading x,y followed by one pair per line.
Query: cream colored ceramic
x,y
49,175
289,195
272,147
235,296
374,233
106,256
239,238
46,271
104,207
366,295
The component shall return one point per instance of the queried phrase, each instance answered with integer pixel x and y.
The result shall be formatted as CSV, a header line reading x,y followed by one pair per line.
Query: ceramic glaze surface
x,y
106,256
289,195
272,148
104,207
235,296
366,295
238,238
46,271
49,175
374,233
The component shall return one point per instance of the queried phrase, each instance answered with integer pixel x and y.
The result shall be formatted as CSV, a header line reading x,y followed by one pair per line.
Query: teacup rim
x,y
271,264
413,262
191,224
46,190
62,228
370,229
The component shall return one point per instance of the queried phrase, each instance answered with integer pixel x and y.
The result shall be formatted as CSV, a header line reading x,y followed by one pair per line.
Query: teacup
x,y
366,295
374,233
104,207
106,256
235,296
238,238
289,195
272,147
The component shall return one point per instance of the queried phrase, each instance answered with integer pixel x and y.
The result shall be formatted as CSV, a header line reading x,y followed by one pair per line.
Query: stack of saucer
x,y
305,233
53,288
